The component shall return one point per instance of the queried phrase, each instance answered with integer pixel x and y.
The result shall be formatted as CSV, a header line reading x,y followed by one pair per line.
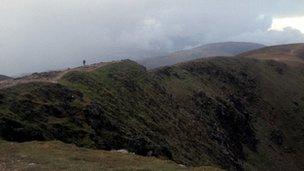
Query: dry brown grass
x,y
58,156
290,54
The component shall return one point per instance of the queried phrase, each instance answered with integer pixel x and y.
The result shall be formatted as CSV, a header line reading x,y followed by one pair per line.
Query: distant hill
x,y
3,77
291,54
208,50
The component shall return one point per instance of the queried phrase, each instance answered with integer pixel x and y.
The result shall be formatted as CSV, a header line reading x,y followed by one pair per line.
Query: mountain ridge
x,y
207,50
236,113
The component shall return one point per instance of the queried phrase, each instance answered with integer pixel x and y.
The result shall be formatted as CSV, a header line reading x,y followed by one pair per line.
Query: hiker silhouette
x,y
84,63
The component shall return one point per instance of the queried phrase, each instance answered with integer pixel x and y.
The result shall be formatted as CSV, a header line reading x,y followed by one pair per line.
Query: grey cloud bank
x,y
38,35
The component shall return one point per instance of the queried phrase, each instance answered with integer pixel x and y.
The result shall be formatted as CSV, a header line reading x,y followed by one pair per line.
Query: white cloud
x,y
272,37
294,22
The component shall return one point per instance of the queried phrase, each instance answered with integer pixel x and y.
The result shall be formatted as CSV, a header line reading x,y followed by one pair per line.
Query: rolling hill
x,y
208,50
292,54
236,113
3,77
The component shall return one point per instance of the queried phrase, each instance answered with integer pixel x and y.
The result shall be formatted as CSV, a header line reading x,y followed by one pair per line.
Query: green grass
x,y
218,111
270,92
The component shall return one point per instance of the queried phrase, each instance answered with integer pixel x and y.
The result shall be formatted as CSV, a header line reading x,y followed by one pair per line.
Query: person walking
x,y
84,63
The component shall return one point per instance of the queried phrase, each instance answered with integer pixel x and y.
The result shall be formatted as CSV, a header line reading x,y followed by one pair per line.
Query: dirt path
x,y
50,77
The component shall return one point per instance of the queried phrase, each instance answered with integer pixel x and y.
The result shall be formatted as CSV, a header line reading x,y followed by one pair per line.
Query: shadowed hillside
x,y
257,107
234,113
208,50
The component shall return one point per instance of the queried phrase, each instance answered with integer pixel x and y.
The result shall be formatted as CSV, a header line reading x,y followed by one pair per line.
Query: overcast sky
x,y
39,35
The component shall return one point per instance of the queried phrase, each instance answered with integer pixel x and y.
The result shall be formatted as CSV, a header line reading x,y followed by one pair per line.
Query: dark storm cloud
x,y
39,35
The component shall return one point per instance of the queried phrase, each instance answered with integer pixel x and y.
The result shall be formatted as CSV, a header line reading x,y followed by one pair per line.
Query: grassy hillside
x,y
257,107
235,113
58,156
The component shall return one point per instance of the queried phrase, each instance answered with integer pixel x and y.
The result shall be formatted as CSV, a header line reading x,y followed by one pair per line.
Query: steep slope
x,y
292,54
3,77
235,113
208,50
257,107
